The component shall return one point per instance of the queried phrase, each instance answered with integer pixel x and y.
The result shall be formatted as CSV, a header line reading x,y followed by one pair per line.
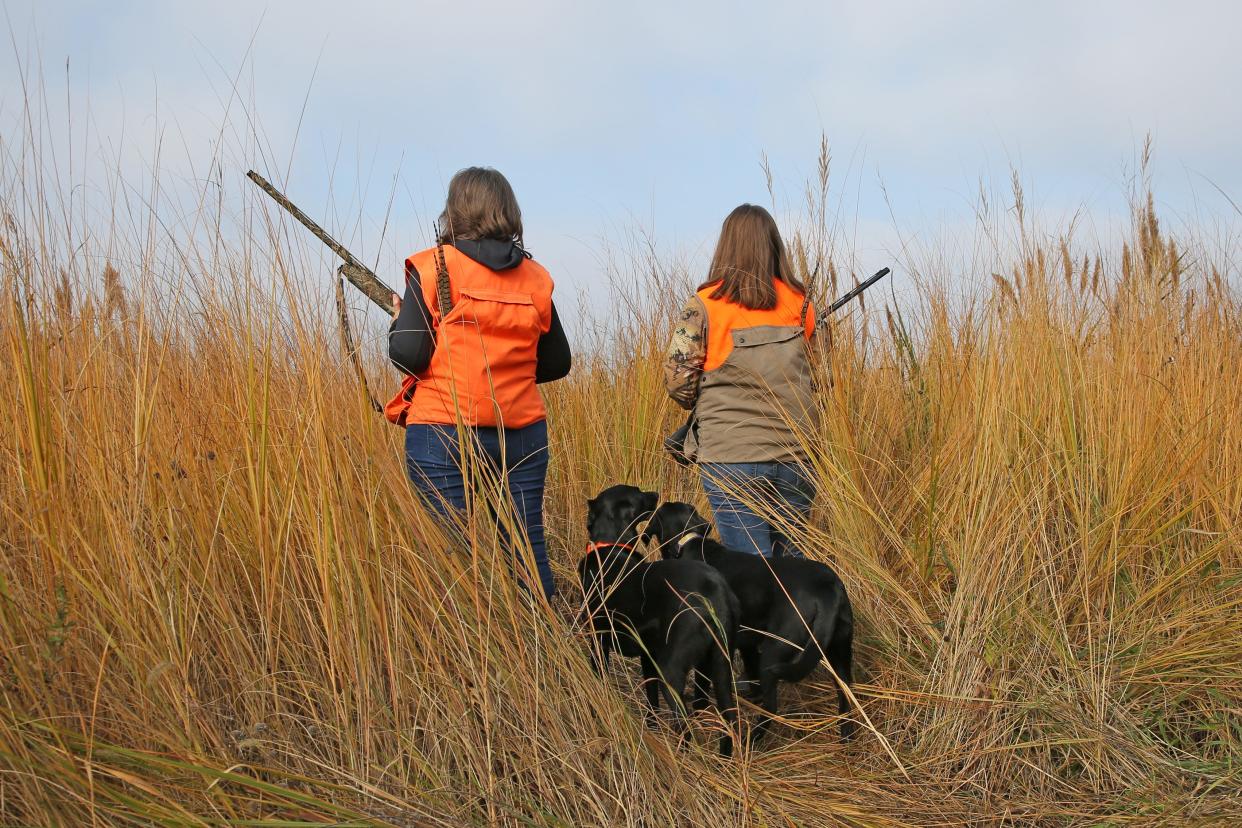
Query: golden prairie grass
x,y
220,603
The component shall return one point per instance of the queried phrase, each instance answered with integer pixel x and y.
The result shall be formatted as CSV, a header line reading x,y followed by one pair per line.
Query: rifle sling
x,y
347,339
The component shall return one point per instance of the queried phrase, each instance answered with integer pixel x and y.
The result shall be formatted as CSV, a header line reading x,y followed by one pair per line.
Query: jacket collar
x,y
494,254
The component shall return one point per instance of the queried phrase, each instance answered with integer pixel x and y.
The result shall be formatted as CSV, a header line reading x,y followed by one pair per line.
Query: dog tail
x,y
822,620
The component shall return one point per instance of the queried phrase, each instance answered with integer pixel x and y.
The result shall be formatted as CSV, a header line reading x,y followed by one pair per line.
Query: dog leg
x,y
749,686
600,652
722,681
651,684
841,657
773,657
769,684
674,670
698,684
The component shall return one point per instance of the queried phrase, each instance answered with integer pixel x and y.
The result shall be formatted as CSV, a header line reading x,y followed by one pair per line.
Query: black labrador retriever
x,y
793,609
675,616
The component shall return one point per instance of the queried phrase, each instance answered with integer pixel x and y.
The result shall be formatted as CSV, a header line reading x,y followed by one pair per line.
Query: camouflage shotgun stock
x,y
358,274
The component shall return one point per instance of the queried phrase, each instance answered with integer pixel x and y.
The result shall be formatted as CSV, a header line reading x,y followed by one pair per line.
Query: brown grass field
x,y
221,604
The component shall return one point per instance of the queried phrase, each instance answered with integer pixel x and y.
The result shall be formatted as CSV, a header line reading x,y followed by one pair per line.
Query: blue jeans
x,y
520,455
743,497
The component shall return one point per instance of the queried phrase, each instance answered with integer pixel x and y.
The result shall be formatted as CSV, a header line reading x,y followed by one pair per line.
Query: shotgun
x,y
358,274
849,297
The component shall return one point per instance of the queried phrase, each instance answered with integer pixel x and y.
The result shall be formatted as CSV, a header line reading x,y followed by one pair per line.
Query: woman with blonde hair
x,y
739,358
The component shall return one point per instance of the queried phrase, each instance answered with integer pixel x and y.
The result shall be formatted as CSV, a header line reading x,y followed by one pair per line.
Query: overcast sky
x,y
611,116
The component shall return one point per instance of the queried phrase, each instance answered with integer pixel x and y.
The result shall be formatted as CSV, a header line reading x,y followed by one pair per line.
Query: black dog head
x,y
614,515
613,518
671,523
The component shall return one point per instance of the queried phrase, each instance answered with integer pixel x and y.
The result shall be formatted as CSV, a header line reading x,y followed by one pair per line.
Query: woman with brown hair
x,y
739,358
474,334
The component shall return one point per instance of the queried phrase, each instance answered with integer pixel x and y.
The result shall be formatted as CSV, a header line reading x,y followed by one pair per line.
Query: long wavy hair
x,y
749,259
480,205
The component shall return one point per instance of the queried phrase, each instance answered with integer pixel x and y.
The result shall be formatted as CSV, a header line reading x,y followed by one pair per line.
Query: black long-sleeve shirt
x,y
411,336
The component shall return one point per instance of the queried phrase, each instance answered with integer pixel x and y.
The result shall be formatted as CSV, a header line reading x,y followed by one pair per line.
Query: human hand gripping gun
x,y
675,443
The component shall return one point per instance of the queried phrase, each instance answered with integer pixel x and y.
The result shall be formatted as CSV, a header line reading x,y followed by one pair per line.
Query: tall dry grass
x,y
220,602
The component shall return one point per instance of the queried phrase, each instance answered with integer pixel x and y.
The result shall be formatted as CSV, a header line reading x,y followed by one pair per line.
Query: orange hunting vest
x,y
756,401
483,367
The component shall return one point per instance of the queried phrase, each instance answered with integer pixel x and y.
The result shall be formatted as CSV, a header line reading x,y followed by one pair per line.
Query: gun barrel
x,y
359,275
847,298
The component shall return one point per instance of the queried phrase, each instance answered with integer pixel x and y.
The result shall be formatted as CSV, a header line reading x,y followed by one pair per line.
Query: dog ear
x,y
651,527
649,501
689,519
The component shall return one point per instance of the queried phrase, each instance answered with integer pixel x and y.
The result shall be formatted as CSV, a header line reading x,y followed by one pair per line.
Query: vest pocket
x,y
496,310
767,360
753,407
764,335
